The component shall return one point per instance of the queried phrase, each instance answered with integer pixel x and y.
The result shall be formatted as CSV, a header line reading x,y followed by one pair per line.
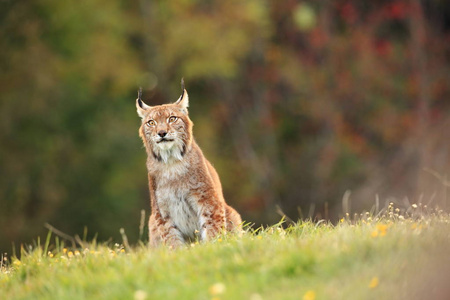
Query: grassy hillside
x,y
390,257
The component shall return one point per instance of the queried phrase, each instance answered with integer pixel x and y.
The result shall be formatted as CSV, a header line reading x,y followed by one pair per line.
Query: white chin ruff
x,y
170,151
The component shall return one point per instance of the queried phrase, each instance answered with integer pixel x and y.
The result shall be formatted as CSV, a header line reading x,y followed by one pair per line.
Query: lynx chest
x,y
177,205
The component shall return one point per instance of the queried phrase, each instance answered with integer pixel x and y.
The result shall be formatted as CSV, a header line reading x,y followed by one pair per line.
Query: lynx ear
x,y
140,105
183,101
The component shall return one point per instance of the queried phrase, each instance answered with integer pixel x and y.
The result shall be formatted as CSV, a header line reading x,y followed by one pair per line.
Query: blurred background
x,y
302,106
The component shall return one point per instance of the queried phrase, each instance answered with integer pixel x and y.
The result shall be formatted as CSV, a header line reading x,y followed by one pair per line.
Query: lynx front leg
x,y
212,220
162,231
154,236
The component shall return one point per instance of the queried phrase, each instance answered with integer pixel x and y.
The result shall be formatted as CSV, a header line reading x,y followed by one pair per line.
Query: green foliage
x,y
60,119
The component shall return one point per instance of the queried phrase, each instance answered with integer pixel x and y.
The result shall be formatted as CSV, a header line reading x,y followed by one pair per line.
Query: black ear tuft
x,y
140,93
141,104
182,91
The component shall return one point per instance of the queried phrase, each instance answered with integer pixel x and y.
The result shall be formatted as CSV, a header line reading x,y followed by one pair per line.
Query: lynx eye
x,y
151,123
172,119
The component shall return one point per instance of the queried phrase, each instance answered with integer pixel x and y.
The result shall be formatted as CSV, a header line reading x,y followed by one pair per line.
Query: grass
x,y
394,256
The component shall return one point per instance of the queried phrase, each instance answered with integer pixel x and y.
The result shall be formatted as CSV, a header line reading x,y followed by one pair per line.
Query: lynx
x,y
185,191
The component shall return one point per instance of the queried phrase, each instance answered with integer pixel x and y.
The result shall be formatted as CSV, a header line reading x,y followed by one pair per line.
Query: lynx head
x,y
166,130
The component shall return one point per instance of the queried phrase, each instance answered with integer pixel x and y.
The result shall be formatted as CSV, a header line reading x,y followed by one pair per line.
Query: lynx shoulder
x,y
185,192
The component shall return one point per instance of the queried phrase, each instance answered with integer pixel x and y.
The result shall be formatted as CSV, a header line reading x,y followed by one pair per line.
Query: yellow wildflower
x,y
380,230
382,227
374,282
217,289
64,250
309,295
70,254
140,295
255,296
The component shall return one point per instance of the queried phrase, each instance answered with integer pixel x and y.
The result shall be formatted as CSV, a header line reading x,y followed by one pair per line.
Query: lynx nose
x,y
162,133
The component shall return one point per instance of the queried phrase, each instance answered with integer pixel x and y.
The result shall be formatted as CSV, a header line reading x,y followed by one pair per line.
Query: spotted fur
x,y
185,191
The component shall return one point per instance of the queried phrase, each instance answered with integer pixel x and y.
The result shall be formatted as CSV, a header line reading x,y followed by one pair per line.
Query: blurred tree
x,y
66,69
294,102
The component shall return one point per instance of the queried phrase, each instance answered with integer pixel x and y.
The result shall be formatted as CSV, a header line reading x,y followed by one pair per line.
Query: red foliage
x,y
318,38
348,13
397,10
383,47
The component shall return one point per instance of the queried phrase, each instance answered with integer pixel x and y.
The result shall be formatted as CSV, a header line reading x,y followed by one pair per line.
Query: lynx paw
x,y
175,243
